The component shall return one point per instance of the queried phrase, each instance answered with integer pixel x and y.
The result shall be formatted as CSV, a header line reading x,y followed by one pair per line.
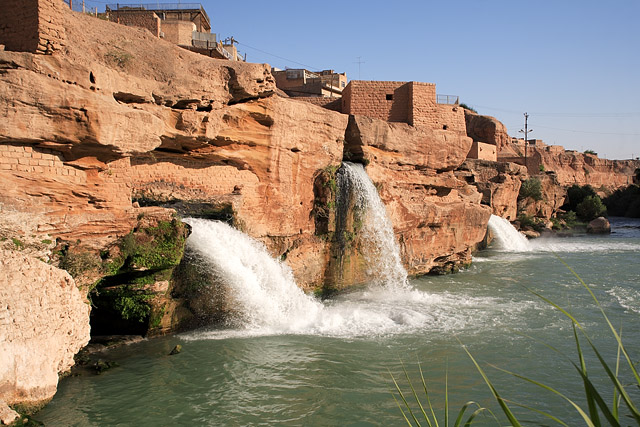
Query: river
x,y
336,371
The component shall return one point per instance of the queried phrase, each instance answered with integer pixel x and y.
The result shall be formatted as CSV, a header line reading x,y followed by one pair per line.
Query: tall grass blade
x,y
426,393
406,404
614,379
503,405
613,330
415,396
546,414
616,395
593,410
583,414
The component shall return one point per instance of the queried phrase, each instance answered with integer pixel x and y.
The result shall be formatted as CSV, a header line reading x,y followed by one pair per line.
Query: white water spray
x,y
262,289
380,248
508,238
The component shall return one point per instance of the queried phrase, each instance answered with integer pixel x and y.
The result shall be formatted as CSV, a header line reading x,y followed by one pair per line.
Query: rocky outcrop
x,y
553,196
486,129
44,321
498,182
437,217
572,167
599,225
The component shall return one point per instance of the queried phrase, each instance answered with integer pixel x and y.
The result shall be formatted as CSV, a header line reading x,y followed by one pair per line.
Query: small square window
x,y
389,97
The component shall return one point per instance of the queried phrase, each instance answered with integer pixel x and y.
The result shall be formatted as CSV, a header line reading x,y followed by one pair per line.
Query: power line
x,y
591,132
567,115
309,67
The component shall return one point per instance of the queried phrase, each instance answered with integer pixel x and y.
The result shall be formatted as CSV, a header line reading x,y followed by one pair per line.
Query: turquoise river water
x,y
328,364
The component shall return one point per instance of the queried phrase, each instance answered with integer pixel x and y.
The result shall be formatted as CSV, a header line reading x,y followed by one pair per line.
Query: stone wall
x,y
32,26
138,18
333,104
178,32
482,151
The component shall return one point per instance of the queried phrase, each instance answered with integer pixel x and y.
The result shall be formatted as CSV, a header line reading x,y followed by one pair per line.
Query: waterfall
x,y
508,238
262,289
379,247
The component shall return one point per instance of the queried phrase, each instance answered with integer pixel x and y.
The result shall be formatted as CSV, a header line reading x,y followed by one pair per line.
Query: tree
x,y
591,208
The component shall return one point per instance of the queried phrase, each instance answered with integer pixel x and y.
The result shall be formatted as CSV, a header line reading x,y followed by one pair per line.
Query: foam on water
x,y
264,291
507,237
626,297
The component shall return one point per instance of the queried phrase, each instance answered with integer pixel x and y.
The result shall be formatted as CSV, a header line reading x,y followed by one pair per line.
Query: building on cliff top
x,y
184,24
299,82
414,103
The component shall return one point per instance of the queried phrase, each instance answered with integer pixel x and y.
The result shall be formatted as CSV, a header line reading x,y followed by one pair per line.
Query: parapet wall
x,y
333,104
32,26
138,18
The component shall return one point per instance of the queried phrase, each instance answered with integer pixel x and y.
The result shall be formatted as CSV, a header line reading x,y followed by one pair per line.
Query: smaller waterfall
x,y
508,238
262,289
380,248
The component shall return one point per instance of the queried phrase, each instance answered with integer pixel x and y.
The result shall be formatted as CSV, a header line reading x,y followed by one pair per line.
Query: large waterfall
x,y
263,292
507,237
379,247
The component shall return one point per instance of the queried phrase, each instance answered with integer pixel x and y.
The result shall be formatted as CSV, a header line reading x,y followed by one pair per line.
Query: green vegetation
x,y
591,208
119,58
466,107
531,188
77,261
47,241
597,411
590,152
575,195
624,202
541,167
18,243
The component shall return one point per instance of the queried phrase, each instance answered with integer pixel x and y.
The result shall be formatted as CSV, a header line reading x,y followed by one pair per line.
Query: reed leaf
x,y
606,318
503,405
593,411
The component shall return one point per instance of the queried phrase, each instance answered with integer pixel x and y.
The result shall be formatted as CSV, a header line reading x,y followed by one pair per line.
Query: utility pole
x,y
359,62
526,139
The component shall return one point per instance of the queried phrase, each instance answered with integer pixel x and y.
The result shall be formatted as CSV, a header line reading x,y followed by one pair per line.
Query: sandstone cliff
x,y
44,321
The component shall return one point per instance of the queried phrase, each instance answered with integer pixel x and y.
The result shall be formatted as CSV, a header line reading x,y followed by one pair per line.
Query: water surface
x,y
334,368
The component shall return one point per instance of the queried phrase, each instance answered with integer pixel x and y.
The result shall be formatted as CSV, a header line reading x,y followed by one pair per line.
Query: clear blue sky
x,y
574,66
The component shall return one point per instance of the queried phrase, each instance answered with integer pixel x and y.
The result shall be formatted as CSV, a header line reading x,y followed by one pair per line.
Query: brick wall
x,y
137,18
32,25
370,98
178,32
180,180
422,106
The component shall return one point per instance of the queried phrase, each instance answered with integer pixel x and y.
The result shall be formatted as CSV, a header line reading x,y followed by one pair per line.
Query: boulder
x,y
599,225
44,322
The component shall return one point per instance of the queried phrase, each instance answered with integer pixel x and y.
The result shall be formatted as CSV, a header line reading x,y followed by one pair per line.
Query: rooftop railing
x,y
448,99
158,7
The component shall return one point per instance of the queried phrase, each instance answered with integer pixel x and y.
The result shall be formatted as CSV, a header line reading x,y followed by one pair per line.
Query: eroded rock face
x,y
44,321
553,196
486,129
498,182
437,217
572,167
